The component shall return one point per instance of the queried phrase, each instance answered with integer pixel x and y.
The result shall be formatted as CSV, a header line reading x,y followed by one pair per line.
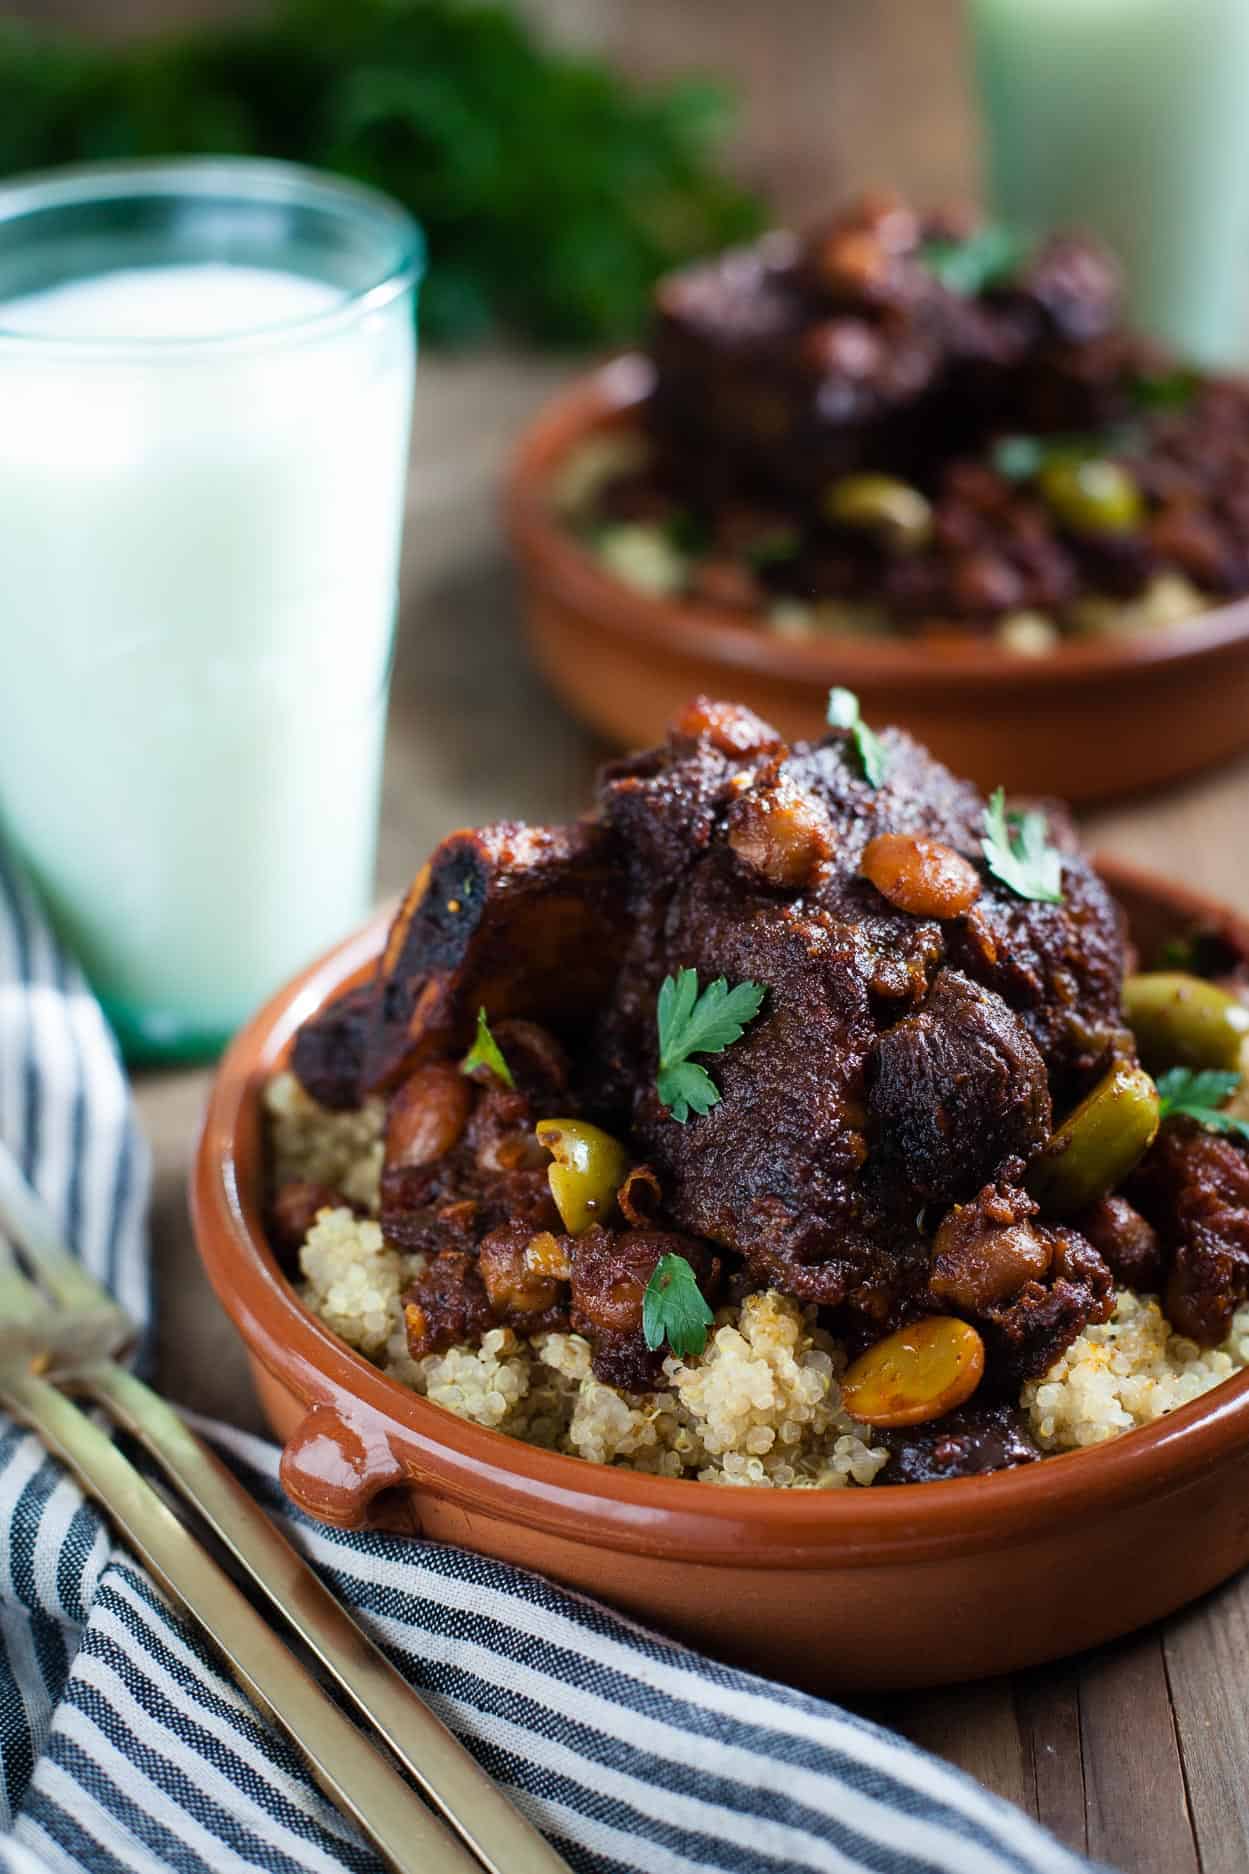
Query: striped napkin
x,y
125,1750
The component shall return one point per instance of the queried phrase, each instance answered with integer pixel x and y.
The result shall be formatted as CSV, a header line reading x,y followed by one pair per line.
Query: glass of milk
x,y
206,377
1131,118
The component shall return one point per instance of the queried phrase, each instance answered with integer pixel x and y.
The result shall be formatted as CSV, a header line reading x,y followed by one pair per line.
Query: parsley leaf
x,y
843,713
1016,850
486,1052
1165,390
985,258
690,1023
673,1306
1183,1093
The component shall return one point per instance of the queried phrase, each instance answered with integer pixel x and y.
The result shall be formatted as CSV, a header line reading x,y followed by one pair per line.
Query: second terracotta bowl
x,y
916,1585
1094,719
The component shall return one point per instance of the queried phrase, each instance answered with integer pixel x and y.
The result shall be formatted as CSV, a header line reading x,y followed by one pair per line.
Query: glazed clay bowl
x,y
1094,719
914,1585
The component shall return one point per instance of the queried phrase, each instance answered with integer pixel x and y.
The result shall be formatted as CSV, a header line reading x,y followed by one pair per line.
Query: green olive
x,y
882,505
1098,1143
1182,1021
588,1168
1091,495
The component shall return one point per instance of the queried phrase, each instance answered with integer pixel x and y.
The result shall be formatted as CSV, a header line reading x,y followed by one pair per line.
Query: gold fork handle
x,y
498,1834
355,1776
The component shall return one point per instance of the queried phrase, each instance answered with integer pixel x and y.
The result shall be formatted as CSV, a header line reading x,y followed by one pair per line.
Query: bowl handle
x,y
334,1466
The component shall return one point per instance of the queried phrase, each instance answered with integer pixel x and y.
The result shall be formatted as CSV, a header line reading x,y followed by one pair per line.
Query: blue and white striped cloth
x,y
125,1750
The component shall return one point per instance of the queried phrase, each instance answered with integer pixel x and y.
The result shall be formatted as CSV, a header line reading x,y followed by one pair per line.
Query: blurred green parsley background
x,y
552,192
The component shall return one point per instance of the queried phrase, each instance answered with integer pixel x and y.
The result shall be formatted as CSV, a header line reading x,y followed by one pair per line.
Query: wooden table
x,y
1137,1754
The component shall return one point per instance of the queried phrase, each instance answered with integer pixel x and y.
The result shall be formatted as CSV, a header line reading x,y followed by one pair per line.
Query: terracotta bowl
x,y
1092,720
915,1585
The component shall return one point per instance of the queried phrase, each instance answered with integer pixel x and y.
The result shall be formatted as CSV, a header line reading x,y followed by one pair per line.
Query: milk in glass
x,y
201,483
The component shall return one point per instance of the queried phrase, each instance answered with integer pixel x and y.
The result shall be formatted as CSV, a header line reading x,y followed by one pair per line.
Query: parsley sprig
x,y
673,1308
1185,1093
985,258
690,1023
1017,850
844,713
486,1052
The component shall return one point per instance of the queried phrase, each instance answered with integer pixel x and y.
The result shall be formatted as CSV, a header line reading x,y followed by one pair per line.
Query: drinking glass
x,y
206,372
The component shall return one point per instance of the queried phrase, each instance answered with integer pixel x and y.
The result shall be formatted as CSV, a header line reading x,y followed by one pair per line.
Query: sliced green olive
x,y
881,504
588,1168
1091,495
1098,1143
1181,1021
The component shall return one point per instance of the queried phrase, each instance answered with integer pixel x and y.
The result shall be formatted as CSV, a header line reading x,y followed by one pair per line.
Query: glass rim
x,y
249,181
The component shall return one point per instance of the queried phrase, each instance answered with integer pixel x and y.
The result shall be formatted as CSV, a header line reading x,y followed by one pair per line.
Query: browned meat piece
x,y
328,1055
780,835
524,921
454,1204
1029,1287
984,1252
1024,1335
1193,1186
978,1437
461,1158
953,1091
795,1168
295,1208
446,1306
1070,286
1129,1246
610,1271
525,1276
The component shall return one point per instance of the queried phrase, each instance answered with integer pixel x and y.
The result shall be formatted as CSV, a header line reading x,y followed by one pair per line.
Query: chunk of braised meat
x,y
1025,1335
1029,1287
447,1305
976,1438
461,1160
327,1058
1193,1186
953,1091
791,1169
1128,1245
525,1275
610,1271
453,1205
985,1251
295,1208
523,921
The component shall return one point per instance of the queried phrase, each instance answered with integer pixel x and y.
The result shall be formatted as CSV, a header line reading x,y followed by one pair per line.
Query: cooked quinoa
x,y
760,1406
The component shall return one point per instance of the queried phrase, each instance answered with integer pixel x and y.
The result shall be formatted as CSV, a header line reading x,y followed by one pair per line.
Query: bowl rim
x,y
603,399
490,1472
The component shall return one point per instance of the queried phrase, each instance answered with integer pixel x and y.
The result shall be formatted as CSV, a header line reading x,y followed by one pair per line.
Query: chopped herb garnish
x,y
486,1052
673,1308
985,258
843,713
1017,850
689,533
1165,390
1185,1093
690,1023
1178,953
772,549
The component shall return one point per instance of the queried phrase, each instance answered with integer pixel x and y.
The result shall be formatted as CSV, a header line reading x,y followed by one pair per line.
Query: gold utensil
x,y
62,1330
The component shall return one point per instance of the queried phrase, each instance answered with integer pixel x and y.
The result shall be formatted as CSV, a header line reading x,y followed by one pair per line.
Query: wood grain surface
x,y
1136,1754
